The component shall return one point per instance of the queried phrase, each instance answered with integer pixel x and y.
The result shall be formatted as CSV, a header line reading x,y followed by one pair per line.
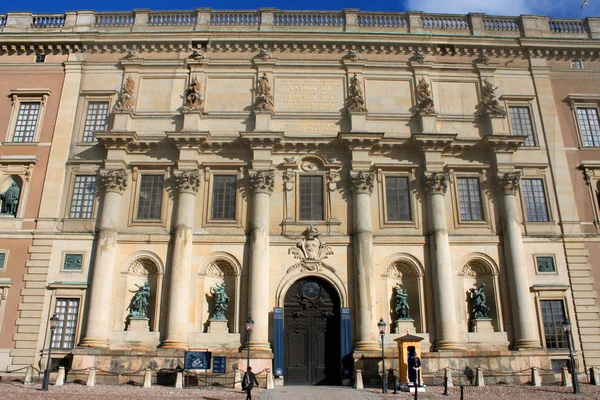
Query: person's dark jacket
x,y
250,382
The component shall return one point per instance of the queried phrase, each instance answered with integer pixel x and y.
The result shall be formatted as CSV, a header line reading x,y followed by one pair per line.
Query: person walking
x,y
248,383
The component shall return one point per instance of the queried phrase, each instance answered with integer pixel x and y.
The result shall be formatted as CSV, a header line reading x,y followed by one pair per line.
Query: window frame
x,y
577,61
458,196
138,183
77,326
212,199
409,172
531,121
85,98
19,97
386,209
89,104
549,213
544,255
560,292
210,170
582,144
299,177
71,197
565,315
6,253
515,100
459,222
84,261
577,101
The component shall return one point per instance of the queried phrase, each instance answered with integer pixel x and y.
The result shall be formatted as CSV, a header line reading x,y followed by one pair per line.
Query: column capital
x,y
187,181
508,183
362,182
113,180
262,181
436,182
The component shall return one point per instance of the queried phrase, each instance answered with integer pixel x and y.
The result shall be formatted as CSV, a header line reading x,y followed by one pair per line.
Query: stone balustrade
x,y
348,20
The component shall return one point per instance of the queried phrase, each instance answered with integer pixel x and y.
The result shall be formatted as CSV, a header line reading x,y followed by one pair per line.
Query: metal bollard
x,y
445,386
462,392
395,383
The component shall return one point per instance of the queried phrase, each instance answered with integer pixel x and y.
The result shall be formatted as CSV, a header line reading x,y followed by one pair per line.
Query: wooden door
x,y
312,334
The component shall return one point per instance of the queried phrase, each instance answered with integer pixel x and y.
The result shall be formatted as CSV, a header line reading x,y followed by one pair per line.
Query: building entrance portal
x,y
312,334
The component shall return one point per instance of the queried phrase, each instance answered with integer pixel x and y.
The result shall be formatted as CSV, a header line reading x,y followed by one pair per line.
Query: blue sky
x,y
553,8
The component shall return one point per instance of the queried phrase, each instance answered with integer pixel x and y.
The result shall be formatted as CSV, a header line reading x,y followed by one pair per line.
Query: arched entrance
x,y
312,345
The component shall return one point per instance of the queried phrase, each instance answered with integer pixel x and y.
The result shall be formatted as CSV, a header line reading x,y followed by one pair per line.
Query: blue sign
x,y
197,360
219,365
278,345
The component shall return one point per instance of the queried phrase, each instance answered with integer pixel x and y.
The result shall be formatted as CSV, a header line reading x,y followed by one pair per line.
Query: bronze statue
x,y
401,296
424,98
221,300
193,101
355,101
139,304
480,309
264,98
10,199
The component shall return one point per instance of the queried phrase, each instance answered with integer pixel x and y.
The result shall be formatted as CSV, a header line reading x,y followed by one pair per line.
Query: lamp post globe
x,y
54,320
382,325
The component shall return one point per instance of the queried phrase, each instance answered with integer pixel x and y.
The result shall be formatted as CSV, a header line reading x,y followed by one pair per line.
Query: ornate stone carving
x,y
401,307
10,200
483,59
309,166
143,266
509,183
126,99
418,57
264,97
353,55
424,98
262,181
362,182
192,98
113,180
489,104
476,268
73,262
138,308
197,54
264,54
221,299
332,180
219,268
436,182
355,101
187,181
400,269
480,309
131,54
311,251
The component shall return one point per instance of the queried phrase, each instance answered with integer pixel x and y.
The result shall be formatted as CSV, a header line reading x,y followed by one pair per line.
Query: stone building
x,y
320,171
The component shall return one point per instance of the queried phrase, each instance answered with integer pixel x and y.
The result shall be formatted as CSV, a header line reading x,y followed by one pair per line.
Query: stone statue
x,y
126,99
221,300
139,304
480,309
264,98
418,57
197,54
10,200
489,104
401,296
424,98
311,251
355,101
192,100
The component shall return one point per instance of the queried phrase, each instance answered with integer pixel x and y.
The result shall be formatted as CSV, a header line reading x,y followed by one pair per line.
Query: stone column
x,y
261,187
187,183
361,184
521,304
113,183
436,185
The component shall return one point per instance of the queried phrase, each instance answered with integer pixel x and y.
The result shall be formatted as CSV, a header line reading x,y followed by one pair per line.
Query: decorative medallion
x,y
311,251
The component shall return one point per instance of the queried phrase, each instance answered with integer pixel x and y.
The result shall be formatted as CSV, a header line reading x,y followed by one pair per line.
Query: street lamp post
x,y
249,326
53,324
381,325
567,328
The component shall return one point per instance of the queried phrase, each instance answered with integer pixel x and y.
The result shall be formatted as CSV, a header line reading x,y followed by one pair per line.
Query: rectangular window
x,y
553,315
520,123
397,198
26,122
150,198
95,120
73,262
576,64
2,261
82,203
223,197
589,127
311,198
535,200
469,199
545,264
67,311
40,58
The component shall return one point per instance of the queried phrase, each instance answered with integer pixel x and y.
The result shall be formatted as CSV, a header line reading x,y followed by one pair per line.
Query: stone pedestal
x,y
358,121
192,120
122,121
138,325
429,123
482,325
262,121
218,326
405,326
499,126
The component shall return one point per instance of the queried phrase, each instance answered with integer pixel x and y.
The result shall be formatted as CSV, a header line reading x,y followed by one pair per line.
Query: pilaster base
x,y
94,342
499,126
258,346
482,325
405,326
367,345
444,345
122,120
138,325
262,121
428,123
175,344
525,344
358,121
218,326
192,120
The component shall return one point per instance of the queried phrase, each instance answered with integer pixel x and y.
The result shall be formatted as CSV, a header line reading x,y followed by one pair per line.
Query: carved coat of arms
x,y
311,251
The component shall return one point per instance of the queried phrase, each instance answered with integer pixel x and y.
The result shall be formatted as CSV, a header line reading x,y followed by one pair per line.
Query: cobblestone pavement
x,y
16,390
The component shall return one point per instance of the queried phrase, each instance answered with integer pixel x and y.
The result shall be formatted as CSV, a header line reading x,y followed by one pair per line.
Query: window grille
x,y
589,126
469,199
67,311
223,197
397,198
553,315
311,198
150,197
26,122
82,202
95,120
520,123
534,197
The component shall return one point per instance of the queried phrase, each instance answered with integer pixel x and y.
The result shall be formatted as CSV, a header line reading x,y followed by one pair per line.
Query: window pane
x,y
67,311
150,199
95,120
397,198
535,200
469,199
311,198
82,203
588,124
26,122
223,197
553,315
520,122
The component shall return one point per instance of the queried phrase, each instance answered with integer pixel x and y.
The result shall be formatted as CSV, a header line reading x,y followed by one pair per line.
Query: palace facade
x,y
166,176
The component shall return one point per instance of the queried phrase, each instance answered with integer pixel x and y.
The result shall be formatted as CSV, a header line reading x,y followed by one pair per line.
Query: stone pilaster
x,y
436,185
113,183
521,302
187,183
261,187
362,184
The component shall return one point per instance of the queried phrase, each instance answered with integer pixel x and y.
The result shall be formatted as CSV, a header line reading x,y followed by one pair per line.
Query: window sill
x,y
89,144
21,143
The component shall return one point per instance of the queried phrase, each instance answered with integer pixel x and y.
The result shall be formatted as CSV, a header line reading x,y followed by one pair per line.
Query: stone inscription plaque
x,y
302,95
312,127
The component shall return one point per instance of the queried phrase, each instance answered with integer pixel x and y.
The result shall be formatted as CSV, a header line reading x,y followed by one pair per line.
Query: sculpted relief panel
x,y
312,95
388,97
228,94
455,98
160,94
